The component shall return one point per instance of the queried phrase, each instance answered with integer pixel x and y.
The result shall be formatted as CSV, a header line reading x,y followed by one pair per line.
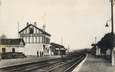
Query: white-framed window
x,y
40,39
31,39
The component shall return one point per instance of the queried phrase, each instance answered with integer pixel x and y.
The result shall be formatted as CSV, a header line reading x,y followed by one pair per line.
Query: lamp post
x,y
112,33
112,25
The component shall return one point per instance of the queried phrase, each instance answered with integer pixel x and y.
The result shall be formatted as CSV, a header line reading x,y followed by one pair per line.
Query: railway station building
x,y
36,40
57,49
11,45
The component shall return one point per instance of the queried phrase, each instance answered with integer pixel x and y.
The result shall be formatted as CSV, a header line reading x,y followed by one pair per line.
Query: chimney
x,y
44,27
35,23
27,24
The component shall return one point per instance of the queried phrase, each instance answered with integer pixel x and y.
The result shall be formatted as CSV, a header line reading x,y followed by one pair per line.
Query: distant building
x,y
57,49
36,39
11,45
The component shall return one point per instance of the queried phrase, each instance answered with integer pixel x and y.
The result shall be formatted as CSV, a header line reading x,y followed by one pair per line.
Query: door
x,y
13,49
3,50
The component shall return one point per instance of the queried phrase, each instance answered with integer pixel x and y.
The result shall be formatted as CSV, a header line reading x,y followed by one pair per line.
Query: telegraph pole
x,y
18,29
112,23
112,32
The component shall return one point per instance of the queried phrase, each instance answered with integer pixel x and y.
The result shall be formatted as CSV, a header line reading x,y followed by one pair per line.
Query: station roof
x,y
56,45
17,41
44,32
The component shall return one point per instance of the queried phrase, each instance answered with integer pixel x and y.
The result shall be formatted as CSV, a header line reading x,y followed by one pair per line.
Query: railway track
x,y
29,67
66,64
63,66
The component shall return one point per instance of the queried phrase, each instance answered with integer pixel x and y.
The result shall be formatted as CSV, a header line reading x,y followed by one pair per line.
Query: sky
x,y
73,23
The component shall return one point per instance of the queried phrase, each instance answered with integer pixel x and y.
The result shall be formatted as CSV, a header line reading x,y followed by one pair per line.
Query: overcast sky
x,y
77,22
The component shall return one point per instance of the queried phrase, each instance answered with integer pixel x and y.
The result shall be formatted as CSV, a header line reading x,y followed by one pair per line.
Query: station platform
x,y
95,64
14,62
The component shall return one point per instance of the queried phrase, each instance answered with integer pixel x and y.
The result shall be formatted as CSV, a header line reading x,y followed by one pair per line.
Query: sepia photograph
x,y
57,35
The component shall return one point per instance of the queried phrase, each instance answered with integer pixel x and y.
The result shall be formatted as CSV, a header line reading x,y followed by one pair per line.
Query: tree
x,y
3,36
107,42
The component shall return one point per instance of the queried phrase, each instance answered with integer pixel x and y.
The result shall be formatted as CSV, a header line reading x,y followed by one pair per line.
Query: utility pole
x,y
18,29
112,32
112,23
61,40
95,40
